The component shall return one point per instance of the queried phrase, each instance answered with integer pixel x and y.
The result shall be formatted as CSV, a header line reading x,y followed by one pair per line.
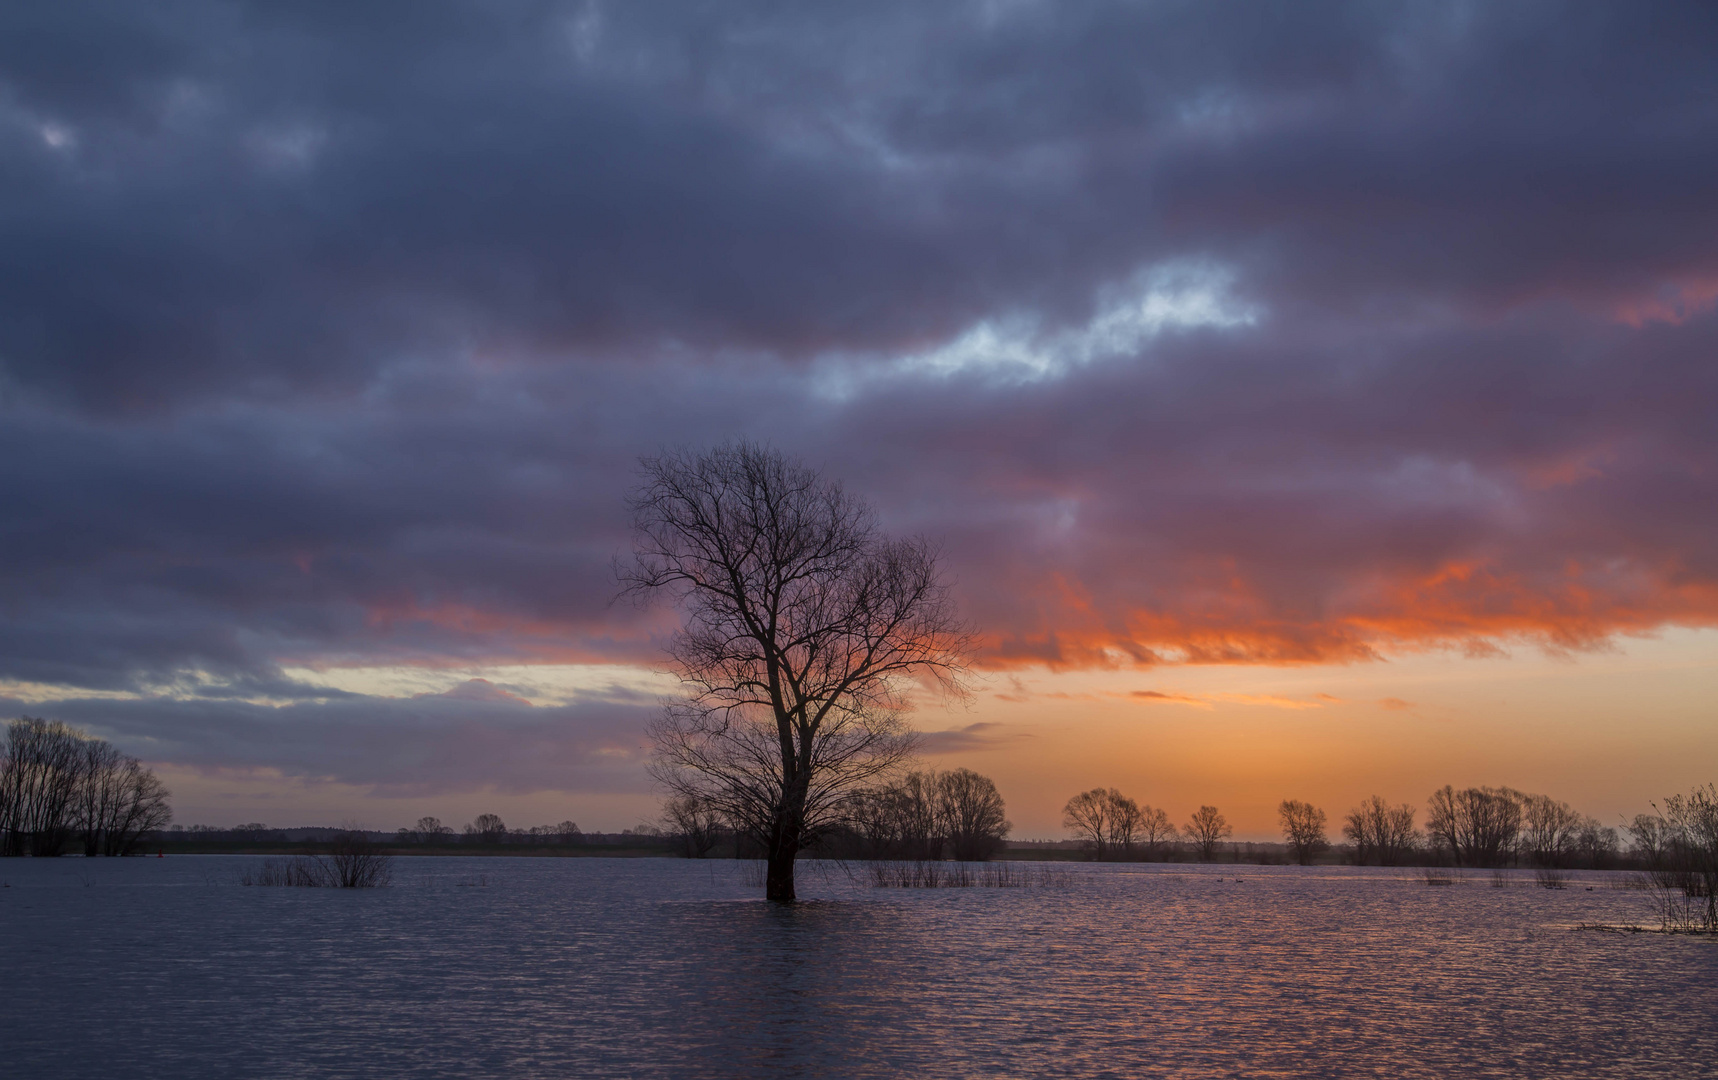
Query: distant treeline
x,y
490,830
1470,827
61,789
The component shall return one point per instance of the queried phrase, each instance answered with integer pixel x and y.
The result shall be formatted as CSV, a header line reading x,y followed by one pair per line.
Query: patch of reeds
x,y
1437,875
1550,877
930,874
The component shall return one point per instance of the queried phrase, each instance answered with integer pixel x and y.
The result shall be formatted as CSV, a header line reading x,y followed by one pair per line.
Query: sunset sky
x,y
1311,400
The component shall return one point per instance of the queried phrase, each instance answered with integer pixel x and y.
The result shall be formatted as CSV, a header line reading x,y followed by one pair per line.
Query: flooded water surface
x,y
476,967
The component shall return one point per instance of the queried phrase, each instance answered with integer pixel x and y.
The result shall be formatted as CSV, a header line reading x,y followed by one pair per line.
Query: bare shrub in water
x,y
302,871
1550,877
1685,876
352,862
355,863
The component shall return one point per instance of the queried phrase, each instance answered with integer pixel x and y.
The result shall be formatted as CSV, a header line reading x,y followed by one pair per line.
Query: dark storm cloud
x,y
258,200
329,334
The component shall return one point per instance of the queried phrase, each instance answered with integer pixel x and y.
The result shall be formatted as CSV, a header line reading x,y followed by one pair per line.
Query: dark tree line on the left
x,y
62,789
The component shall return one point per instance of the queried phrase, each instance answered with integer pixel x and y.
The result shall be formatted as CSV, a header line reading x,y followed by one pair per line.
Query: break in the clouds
x,y
329,334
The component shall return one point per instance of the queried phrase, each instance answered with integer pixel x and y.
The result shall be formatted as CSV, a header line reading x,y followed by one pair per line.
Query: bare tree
x,y
1088,816
901,819
921,816
1686,872
140,809
1156,831
1303,828
972,814
100,792
805,628
565,832
1380,833
39,785
1551,830
694,822
430,830
56,782
1648,839
486,829
353,862
1124,824
1206,829
1596,844
1478,826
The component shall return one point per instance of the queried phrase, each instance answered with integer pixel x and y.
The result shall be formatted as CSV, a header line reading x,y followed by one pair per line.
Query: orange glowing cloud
x,y
1158,697
1470,605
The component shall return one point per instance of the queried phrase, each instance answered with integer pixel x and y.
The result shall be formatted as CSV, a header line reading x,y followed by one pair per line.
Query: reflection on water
x,y
595,967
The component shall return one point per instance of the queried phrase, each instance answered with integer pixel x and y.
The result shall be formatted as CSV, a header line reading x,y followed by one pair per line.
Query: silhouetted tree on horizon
x,y
1205,830
1478,826
1303,828
430,830
1156,831
486,829
972,814
1380,832
1087,815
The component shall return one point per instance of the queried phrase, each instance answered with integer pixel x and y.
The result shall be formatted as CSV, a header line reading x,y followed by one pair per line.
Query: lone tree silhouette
x,y
1303,828
974,817
1087,815
1206,829
804,627
1108,823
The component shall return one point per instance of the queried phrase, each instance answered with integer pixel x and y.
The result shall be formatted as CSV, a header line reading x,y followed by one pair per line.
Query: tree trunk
x,y
778,881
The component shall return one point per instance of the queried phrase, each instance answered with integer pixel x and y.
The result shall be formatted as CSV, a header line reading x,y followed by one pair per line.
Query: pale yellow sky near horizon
x,y
1605,731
